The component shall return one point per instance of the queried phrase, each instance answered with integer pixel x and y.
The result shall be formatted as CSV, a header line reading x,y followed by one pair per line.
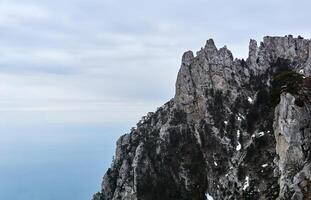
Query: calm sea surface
x,y
55,162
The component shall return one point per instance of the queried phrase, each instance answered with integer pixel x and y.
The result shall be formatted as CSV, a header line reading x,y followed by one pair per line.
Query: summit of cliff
x,y
235,129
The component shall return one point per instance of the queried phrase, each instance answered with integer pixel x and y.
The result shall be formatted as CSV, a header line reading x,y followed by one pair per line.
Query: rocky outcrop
x,y
235,129
292,132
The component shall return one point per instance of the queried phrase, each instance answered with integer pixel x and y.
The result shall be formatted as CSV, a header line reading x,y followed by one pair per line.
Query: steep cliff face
x,y
234,130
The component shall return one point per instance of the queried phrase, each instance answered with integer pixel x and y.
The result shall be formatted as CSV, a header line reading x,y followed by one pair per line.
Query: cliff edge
x,y
235,129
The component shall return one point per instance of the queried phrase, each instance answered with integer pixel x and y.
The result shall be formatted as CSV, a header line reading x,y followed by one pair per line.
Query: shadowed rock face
x,y
224,133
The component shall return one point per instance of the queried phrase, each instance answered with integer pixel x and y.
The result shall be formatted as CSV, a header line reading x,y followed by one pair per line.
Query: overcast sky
x,y
106,61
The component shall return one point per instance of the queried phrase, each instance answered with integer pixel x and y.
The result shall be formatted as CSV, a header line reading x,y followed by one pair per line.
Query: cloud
x,y
12,14
81,60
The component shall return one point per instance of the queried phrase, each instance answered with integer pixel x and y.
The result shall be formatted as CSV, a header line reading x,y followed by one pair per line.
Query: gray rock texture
x,y
235,129
292,132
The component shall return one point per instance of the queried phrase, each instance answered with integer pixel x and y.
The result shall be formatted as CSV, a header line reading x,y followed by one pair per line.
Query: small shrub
x,y
216,107
307,83
299,102
179,117
286,81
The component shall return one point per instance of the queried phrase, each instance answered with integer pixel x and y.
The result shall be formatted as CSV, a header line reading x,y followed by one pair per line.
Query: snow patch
x,y
250,100
238,147
238,133
260,134
226,122
246,184
215,163
264,165
240,117
209,197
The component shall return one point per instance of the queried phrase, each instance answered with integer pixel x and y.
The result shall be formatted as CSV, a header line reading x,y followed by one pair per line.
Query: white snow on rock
x,y
238,147
264,165
240,117
250,100
246,184
238,133
209,197
260,134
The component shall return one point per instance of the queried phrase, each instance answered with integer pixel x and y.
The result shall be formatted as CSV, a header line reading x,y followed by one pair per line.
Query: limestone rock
x,y
230,132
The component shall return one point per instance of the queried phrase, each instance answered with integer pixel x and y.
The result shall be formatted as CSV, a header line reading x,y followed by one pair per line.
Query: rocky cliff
x,y
236,129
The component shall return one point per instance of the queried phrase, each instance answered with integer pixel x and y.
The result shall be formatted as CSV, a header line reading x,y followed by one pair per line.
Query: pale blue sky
x,y
113,60
76,74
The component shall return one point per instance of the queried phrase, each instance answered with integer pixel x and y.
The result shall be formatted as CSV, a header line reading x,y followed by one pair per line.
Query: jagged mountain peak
x,y
235,129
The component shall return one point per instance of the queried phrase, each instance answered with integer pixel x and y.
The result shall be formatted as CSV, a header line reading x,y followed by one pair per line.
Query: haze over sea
x,y
55,161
